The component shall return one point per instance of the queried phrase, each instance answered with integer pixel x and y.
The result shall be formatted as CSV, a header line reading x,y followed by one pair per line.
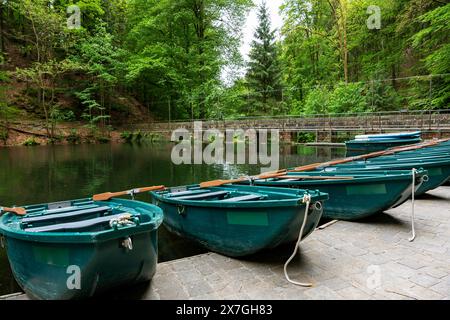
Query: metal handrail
x,y
328,116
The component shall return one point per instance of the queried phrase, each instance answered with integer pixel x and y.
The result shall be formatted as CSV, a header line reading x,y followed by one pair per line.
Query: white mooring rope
x,y
414,171
307,200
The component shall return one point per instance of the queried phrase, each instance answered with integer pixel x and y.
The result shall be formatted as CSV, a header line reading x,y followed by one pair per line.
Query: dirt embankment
x,y
35,133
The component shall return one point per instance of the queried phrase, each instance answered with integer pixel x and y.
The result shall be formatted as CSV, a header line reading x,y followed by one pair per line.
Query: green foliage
x,y
4,135
433,42
7,112
348,98
381,96
305,137
63,115
74,137
93,112
103,139
139,137
178,49
317,102
170,57
344,98
30,142
264,74
127,136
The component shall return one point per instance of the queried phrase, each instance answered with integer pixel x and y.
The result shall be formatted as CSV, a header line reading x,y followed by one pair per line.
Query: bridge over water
x,y
433,123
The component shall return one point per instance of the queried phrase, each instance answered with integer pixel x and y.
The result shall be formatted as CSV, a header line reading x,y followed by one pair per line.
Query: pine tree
x,y
264,73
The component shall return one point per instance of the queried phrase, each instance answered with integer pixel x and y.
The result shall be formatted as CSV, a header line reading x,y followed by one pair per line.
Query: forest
x,y
108,61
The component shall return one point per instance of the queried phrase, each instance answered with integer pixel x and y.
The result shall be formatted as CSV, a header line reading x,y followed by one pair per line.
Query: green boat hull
x,y
438,171
70,265
358,198
241,229
378,145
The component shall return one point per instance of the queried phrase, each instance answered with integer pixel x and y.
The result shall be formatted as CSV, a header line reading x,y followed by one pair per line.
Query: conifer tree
x,y
264,73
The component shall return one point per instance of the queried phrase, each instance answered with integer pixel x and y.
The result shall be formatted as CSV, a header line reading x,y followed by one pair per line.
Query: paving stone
x,y
353,250
199,288
322,293
189,276
181,265
424,280
442,288
398,269
421,293
336,283
353,293
412,263
435,272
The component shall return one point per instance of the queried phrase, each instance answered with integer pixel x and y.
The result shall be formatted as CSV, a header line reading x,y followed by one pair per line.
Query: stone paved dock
x,y
371,259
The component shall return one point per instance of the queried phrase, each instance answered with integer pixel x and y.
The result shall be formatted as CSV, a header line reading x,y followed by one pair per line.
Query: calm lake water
x,y
54,173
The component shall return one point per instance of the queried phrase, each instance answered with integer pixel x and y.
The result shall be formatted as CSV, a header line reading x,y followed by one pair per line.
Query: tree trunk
x,y
2,39
344,27
44,107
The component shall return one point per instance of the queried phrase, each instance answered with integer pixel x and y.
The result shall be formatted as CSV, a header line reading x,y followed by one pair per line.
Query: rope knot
x,y
306,198
123,220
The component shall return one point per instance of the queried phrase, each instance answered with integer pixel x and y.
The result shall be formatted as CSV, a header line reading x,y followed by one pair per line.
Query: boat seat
x,y
203,196
186,193
249,197
61,210
74,226
66,215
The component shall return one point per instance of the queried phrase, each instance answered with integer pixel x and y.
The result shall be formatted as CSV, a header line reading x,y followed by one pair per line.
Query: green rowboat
x,y
353,195
438,171
77,249
239,220
377,145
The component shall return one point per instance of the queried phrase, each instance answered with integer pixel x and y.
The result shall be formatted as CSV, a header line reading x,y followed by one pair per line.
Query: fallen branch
x,y
42,135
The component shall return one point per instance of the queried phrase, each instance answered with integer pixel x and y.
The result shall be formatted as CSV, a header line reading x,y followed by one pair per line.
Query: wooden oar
x,y
311,167
267,175
17,211
109,195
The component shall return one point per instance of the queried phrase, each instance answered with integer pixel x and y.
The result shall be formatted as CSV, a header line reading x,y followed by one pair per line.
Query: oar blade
x,y
109,195
218,183
18,211
105,196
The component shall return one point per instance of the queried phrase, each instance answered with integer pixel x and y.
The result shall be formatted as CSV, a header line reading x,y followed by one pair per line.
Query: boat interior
x,y
73,216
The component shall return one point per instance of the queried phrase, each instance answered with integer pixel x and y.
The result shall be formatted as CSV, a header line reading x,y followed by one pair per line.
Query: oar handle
x,y
269,175
218,183
17,211
109,195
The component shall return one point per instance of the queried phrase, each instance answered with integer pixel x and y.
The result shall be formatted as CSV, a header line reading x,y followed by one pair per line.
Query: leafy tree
x,y
7,112
178,49
102,62
433,43
348,98
44,75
